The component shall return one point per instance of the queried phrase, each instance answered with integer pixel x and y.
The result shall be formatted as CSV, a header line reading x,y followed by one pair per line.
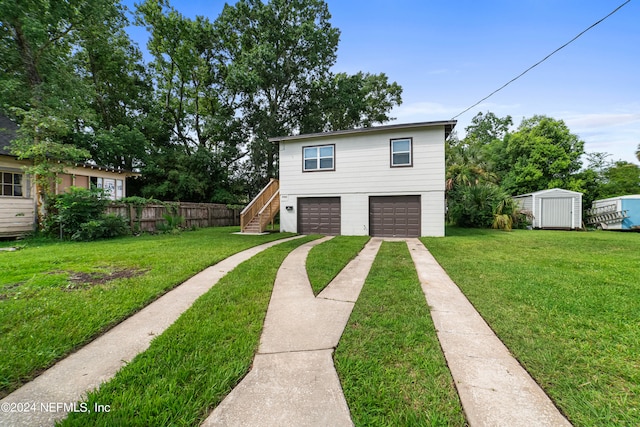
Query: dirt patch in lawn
x,y
7,290
82,280
77,280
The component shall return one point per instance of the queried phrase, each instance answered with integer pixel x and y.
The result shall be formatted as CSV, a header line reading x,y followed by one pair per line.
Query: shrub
x,y
78,214
106,226
475,205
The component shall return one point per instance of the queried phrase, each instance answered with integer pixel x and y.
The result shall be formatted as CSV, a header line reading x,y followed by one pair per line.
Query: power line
x,y
539,62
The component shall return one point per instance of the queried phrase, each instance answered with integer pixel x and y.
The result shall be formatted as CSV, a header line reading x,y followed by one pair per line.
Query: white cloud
x,y
602,120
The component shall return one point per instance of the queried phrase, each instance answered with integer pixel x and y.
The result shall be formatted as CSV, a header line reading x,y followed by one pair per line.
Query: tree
x,y
200,137
620,179
350,101
638,152
73,62
543,153
36,77
275,58
271,55
118,90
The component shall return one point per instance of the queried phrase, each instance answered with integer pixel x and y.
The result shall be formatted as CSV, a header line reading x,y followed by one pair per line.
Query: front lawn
x,y
57,296
197,361
567,305
325,261
389,360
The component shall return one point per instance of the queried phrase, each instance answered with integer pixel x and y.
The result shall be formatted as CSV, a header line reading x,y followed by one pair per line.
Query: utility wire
x,y
539,62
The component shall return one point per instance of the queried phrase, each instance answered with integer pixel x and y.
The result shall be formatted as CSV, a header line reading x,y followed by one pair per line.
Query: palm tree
x,y
638,152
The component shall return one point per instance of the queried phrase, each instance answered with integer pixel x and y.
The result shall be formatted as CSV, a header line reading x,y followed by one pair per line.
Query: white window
x,y
119,189
11,184
401,152
319,158
113,188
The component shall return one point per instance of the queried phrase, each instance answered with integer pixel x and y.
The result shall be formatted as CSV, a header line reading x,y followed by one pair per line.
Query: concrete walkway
x,y
495,390
293,380
55,391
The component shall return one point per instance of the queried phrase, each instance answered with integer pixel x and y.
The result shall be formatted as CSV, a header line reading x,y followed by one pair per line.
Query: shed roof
x,y
448,127
542,192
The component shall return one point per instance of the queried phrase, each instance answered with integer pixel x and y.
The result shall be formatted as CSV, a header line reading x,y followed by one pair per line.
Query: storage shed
x,y
554,208
616,213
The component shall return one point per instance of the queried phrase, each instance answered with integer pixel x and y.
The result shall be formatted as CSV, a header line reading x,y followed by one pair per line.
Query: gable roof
x,y
448,127
8,132
541,192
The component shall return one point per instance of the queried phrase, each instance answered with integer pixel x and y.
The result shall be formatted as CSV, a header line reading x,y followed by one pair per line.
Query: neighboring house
x,y
554,208
378,181
17,189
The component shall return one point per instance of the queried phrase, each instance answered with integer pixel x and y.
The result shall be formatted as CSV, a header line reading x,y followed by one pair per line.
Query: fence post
x,y
131,219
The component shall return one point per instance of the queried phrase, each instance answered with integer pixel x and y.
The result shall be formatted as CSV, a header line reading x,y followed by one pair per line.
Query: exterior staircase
x,y
262,209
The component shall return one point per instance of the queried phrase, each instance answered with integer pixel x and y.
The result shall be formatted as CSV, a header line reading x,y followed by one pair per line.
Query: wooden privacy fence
x,y
200,215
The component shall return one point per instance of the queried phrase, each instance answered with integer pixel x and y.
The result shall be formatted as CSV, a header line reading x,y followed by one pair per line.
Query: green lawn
x,y
389,361
57,296
567,305
325,261
198,360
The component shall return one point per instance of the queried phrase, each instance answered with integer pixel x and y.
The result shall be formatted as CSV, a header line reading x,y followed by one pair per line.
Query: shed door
x,y
394,216
319,215
556,213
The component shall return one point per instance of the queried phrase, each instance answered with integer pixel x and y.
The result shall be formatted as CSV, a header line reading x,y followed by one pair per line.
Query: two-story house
x,y
379,181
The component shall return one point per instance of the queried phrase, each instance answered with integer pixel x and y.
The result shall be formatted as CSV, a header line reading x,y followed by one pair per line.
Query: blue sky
x,y
449,54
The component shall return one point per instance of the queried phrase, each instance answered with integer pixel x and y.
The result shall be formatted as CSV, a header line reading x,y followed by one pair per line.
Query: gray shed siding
x,y
554,208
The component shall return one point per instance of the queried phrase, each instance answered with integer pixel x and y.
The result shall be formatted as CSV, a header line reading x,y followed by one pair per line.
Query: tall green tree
x,y
118,90
620,178
36,81
344,101
72,63
196,153
271,55
543,153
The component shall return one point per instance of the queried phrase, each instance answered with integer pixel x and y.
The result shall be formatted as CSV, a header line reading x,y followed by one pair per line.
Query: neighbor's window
x,y
10,184
113,188
320,158
401,152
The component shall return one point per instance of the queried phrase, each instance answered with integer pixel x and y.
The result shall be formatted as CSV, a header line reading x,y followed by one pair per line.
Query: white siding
x,y
534,202
17,216
362,169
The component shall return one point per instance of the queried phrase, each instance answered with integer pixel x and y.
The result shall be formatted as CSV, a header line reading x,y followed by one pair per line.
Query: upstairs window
x,y
319,158
10,184
402,152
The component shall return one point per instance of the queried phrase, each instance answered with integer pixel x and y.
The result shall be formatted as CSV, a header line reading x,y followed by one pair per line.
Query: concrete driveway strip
x,y
54,393
293,380
495,390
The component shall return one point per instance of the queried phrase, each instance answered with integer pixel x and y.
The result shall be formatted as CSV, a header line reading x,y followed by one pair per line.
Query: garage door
x,y
556,213
319,215
394,216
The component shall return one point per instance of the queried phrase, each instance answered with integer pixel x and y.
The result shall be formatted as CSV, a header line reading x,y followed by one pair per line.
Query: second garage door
x,y
394,216
319,215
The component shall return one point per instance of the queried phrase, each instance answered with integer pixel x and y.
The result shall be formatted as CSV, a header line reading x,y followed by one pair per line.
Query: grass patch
x,y
57,296
327,259
566,304
389,360
197,361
